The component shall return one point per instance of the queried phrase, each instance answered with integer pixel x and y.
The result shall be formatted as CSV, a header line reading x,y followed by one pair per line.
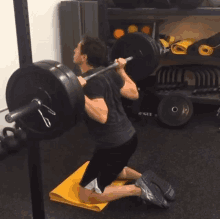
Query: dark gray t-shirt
x,y
118,129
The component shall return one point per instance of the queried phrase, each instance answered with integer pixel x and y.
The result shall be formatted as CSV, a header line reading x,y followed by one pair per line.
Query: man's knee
x,y
85,194
122,174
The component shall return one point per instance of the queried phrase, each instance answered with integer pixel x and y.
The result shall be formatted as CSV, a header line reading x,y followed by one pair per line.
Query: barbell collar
x,y
114,65
23,111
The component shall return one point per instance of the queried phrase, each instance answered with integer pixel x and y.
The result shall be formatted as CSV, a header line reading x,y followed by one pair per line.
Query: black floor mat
x,y
188,158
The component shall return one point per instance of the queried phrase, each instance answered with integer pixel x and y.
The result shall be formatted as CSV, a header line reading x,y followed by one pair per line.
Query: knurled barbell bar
x,y
46,99
36,103
38,114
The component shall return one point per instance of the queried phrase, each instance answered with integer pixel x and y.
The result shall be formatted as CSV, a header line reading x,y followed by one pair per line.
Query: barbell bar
x,y
114,65
36,104
59,91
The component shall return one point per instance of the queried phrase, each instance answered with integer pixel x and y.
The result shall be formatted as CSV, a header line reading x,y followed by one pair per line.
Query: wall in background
x,y
45,40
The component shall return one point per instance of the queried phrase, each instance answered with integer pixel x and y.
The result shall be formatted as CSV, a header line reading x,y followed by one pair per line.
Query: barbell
x,y
46,99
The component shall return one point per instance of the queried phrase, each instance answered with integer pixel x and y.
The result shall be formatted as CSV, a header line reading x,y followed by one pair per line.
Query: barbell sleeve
x,y
23,111
105,69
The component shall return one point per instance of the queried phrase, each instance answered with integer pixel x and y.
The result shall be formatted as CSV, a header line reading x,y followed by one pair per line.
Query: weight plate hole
x,y
174,109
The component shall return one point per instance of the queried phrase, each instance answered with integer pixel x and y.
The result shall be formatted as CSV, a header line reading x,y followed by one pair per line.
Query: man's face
x,y
78,58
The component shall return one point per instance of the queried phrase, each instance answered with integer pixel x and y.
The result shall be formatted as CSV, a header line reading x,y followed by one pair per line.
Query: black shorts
x,y
107,164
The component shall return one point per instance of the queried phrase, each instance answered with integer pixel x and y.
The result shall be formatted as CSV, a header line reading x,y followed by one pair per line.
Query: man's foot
x,y
151,193
164,186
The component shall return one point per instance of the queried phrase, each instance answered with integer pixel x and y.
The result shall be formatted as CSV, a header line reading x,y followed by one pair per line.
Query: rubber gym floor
x,y
188,158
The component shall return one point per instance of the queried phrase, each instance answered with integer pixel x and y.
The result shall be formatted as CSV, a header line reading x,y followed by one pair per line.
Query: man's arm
x,y
129,90
96,109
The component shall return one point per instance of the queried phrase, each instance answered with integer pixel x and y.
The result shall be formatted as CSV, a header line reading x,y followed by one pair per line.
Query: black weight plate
x,y
175,110
130,45
21,89
80,103
73,96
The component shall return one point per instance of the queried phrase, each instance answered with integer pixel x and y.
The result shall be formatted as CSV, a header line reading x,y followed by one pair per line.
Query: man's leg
x,y
128,174
92,194
110,193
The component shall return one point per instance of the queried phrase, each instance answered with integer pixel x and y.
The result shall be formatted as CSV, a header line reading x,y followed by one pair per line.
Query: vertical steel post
x,y
23,32
35,175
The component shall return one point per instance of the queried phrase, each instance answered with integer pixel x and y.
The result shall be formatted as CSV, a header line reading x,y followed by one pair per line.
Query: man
x,y
109,126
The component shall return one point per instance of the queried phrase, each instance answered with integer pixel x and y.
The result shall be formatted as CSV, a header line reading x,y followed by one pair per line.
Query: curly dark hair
x,y
96,51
